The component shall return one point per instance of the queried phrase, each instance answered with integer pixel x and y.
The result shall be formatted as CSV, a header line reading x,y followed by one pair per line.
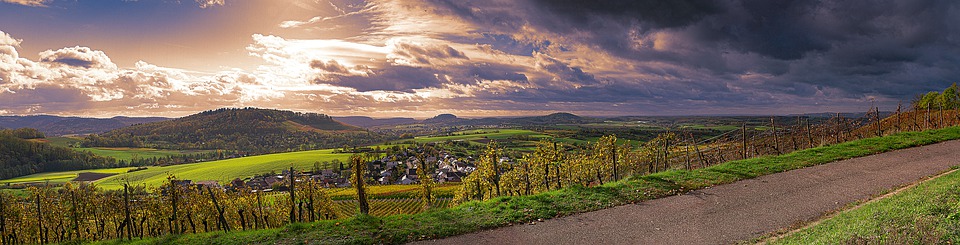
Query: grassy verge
x,y
474,216
928,213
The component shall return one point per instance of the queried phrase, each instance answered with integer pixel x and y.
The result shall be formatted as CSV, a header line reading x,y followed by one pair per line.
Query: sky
x,y
405,58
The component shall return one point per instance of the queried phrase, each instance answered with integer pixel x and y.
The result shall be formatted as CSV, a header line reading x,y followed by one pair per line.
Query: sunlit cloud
x,y
31,3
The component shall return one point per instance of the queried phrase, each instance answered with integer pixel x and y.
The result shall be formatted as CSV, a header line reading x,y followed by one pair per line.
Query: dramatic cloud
x,y
210,3
31,3
79,57
506,57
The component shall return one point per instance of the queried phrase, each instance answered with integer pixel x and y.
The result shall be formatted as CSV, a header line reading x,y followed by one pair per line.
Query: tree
x,y
928,101
948,99
484,182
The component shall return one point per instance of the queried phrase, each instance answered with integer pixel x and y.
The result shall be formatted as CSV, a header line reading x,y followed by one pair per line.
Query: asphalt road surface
x,y
733,212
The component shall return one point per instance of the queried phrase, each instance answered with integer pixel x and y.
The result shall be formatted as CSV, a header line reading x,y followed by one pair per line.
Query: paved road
x,y
733,212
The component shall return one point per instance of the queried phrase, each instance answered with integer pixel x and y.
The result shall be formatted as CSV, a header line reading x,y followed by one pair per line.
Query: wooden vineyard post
x,y
293,198
898,116
126,210
743,140
260,209
686,152
613,149
174,227
699,153
836,129
876,117
809,134
555,157
221,220
39,221
940,107
776,139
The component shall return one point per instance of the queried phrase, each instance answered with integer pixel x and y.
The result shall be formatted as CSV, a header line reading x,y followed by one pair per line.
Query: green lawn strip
x,y
498,212
928,213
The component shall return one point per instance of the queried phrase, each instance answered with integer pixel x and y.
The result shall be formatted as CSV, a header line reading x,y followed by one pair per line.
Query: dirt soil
x,y
734,212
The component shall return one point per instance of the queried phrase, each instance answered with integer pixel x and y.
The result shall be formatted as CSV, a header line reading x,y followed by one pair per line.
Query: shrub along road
x,y
734,212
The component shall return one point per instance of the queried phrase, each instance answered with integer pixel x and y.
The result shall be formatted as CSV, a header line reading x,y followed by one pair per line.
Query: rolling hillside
x,y
59,126
249,129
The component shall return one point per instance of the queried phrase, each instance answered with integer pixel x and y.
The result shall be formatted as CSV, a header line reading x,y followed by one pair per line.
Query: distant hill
x,y
59,126
444,118
552,119
248,129
367,122
23,152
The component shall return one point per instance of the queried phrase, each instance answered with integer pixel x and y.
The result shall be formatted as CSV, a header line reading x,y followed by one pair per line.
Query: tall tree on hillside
x,y
928,101
357,179
948,99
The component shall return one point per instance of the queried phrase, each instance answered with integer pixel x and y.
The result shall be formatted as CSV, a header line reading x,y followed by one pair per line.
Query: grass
x,y
928,213
502,211
59,177
225,170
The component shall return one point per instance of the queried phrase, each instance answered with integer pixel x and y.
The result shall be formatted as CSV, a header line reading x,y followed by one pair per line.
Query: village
x,y
398,168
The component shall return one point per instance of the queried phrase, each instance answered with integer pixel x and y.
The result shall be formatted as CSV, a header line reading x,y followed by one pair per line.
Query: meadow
x,y
120,153
225,170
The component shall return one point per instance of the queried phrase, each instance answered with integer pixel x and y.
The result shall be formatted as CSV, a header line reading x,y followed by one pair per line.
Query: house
x,y
451,177
237,183
409,179
212,184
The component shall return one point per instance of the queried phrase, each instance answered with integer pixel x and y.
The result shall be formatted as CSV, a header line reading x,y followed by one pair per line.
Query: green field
x,y
928,213
120,153
126,154
479,134
59,177
225,170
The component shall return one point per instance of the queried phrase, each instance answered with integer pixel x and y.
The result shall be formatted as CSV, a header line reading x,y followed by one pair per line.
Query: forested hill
x,y
248,129
57,125
22,153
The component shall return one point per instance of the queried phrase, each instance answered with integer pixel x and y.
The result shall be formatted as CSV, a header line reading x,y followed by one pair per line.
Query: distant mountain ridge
x,y
59,126
248,129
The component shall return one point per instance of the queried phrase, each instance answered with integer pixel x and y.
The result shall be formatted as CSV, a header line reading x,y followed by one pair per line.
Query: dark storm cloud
x,y
407,78
747,51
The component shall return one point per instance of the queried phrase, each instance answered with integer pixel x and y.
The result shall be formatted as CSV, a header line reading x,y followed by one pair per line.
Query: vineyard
x,y
85,212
